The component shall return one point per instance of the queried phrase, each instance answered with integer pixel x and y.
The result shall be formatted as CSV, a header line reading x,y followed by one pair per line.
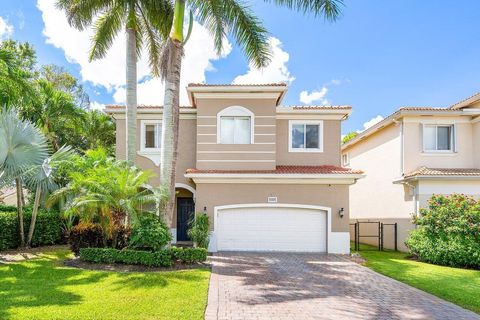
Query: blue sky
x,y
380,55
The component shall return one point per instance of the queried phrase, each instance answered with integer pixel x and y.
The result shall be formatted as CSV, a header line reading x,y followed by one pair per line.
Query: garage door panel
x,y
271,229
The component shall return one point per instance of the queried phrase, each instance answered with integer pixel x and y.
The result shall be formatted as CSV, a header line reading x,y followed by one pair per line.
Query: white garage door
x,y
271,229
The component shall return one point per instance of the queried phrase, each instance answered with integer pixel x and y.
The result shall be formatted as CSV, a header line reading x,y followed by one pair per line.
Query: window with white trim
x,y
151,136
345,159
438,138
235,126
306,136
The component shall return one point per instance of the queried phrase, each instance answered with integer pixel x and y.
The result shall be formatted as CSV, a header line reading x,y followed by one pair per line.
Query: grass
x,y
44,288
460,286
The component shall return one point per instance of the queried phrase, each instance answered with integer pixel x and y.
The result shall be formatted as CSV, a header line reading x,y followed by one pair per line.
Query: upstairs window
x,y
151,135
235,126
306,136
438,138
345,159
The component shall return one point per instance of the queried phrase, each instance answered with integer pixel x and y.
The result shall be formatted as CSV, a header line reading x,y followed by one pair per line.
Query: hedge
x,y
48,228
160,258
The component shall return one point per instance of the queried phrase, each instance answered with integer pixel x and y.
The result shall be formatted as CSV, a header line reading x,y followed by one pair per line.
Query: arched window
x,y
235,125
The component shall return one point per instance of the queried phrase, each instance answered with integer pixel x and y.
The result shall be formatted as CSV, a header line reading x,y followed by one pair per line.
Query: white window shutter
x,y
454,138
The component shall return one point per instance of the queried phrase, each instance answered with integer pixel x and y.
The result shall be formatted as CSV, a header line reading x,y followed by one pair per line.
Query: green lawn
x,y
459,286
45,289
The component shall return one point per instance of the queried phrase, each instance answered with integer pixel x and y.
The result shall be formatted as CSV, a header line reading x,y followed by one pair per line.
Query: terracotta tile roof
x,y
421,108
319,107
424,171
461,103
286,170
117,106
283,84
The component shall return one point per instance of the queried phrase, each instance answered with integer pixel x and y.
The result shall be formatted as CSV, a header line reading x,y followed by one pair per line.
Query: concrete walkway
x,y
314,286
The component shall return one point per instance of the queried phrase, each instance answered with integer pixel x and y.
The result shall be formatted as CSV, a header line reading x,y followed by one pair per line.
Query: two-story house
x,y
409,156
268,176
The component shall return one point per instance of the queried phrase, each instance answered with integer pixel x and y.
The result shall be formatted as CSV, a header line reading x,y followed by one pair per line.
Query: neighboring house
x,y
8,196
268,176
409,156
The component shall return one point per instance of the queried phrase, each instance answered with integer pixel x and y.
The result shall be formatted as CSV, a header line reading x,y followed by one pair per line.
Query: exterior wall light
x,y
205,210
340,212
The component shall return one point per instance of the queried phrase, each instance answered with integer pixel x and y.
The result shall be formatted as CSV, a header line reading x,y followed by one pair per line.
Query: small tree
x,y
22,146
40,178
349,136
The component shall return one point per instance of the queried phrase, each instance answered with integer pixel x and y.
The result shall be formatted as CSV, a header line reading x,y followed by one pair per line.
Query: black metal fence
x,y
380,234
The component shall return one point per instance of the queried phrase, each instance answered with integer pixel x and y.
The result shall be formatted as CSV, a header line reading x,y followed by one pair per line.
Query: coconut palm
x,y
22,146
220,17
41,179
146,23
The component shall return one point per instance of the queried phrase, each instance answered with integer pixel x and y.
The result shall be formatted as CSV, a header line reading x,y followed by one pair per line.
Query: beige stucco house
x,y
268,176
409,156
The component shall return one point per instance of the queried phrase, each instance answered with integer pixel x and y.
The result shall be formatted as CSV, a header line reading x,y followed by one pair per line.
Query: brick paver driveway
x,y
313,286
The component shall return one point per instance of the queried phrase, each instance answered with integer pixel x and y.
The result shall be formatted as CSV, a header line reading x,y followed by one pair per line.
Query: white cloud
x,y
6,29
276,71
110,72
94,105
372,122
315,95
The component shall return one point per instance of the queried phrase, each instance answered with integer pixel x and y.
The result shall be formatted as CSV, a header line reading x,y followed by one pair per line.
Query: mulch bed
x,y
356,258
77,263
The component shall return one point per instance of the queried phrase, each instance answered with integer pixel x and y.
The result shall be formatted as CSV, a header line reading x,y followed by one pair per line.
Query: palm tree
x,y
40,178
22,146
108,191
146,23
219,17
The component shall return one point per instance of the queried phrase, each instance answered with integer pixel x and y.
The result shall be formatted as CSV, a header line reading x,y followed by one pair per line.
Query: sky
x,y
380,55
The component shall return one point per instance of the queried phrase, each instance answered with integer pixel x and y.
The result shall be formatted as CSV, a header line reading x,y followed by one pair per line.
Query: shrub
x,y
149,233
448,232
48,228
189,255
7,208
199,230
160,258
86,235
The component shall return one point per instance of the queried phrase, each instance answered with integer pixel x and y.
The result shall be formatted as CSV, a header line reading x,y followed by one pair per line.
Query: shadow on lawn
x,y
39,282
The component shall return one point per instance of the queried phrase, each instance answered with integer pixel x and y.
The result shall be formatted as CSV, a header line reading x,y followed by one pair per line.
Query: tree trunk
x,y
18,183
131,79
170,128
171,112
36,205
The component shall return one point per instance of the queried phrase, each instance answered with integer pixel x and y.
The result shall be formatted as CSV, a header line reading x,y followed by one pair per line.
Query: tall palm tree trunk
x,y
18,183
131,75
171,111
36,205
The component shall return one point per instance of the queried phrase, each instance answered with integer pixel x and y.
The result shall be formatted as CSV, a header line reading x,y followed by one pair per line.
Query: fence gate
x,y
380,234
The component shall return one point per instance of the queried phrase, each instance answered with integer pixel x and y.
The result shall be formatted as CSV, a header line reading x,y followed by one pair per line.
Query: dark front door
x,y
185,211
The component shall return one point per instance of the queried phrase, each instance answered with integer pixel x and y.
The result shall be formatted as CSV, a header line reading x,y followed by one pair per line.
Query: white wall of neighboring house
x,y
476,143
8,196
414,155
426,188
376,197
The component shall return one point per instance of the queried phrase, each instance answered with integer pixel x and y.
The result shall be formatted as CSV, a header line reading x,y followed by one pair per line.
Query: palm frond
x,y
106,28
330,9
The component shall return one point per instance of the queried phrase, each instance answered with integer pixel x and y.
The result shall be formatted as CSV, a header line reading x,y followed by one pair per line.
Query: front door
x,y
185,211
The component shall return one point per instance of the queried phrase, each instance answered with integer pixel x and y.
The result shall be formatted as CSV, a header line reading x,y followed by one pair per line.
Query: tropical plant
x,y
349,136
220,17
97,130
150,233
22,146
41,179
15,74
199,230
146,23
106,191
